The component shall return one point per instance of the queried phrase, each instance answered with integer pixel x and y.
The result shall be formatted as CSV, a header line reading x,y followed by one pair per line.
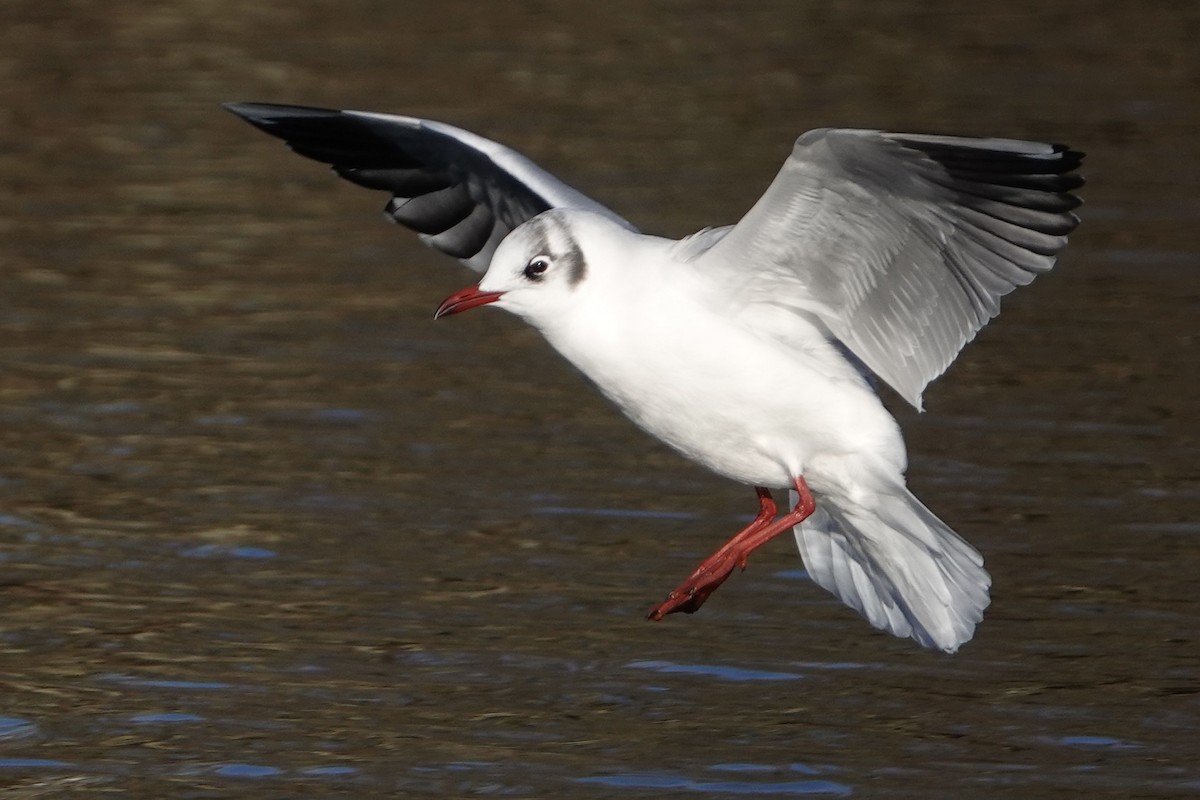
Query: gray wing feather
x,y
461,193
902,244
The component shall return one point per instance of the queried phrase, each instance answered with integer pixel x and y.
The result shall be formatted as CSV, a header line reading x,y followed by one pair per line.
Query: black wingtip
x,y
253,113
266,115
1070,159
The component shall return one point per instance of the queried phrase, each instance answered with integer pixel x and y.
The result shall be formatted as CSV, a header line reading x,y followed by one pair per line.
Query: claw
x,y
694,592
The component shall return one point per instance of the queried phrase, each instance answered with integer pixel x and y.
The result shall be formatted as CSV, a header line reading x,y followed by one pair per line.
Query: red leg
x,y
766,512
713,571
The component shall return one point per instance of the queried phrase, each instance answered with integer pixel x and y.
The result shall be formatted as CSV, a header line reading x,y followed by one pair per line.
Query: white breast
x,y
757,410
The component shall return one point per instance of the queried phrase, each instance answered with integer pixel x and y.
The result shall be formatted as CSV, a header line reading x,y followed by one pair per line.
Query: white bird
x,y
749,348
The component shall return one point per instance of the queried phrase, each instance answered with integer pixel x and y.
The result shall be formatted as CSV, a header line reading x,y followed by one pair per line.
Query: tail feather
x,y
899,566
826,553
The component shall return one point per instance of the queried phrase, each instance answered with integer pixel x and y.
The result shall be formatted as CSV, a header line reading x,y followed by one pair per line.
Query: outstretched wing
x,y
901,244
461,193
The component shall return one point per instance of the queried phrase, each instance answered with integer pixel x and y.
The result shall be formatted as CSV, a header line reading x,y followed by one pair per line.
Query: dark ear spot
x,y
574,264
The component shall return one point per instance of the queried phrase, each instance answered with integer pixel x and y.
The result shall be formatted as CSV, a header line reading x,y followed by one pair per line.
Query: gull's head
x,y
540,269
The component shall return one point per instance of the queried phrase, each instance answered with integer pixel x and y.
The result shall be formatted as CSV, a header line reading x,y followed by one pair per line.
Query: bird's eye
x,y
536,268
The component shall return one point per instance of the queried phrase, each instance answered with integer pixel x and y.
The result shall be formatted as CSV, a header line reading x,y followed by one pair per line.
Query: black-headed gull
x,y
748,348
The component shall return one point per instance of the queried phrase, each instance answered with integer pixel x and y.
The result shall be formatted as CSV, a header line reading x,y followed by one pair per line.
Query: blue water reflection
x,y
714,670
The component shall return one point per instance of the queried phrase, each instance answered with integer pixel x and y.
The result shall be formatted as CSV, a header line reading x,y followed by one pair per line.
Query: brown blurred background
x,y
264,527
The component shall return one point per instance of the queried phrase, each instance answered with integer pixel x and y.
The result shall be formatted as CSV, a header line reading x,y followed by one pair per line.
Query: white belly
x,y
747,407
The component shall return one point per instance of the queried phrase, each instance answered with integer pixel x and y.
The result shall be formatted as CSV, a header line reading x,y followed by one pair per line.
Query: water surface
x,y
266,529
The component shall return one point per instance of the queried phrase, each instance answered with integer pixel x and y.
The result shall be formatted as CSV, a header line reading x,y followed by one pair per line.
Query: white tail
x,y
899,566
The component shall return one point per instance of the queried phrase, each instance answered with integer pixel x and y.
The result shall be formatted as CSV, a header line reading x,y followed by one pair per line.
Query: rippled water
x,y
265,528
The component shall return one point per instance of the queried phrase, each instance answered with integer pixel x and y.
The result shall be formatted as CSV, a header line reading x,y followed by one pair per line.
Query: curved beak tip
x,y
465,299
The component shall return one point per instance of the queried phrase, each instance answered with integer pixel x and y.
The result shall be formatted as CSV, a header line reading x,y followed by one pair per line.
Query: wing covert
x,y
901,244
